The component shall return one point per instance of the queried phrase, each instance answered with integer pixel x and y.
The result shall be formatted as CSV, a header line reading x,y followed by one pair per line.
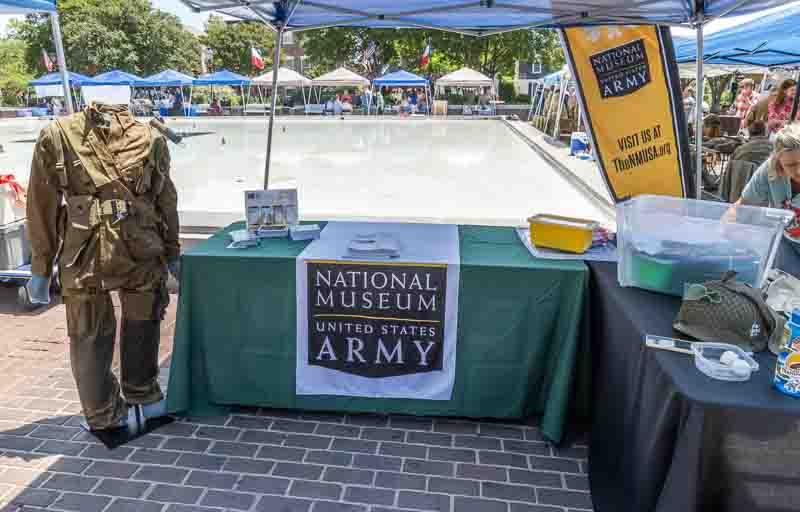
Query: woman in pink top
x,y
780,108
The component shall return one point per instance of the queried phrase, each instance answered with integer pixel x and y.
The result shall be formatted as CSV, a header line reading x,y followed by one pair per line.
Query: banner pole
x,y
62,63
698,125
276,61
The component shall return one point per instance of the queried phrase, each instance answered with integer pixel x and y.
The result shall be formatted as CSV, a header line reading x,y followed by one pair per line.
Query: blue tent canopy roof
x,y
55,79
26,6
772,40
168,78
400,78
115,77
223,77
478,17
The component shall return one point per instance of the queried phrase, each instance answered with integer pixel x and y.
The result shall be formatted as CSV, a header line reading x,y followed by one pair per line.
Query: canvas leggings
x,y
92,328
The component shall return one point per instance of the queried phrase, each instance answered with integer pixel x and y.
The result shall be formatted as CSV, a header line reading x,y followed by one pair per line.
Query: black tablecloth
x,y
667,438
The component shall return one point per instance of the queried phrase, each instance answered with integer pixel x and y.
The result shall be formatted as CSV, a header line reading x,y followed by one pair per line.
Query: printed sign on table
x,y
629,88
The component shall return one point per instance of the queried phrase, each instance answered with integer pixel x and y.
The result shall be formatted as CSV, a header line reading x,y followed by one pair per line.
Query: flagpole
x,y
62,63
276,61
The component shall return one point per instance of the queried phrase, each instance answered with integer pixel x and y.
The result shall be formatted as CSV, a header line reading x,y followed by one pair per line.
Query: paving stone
x,y
411,422
563,498
212,480
400,481
122,488
509,492
278,503
175,494
554,464
452,455
478,442
430,438
573,452
35,497
354,445
178,428
55,432
377,462
455,427
74,483
233,449
316,490
52,447
383,434
217,433
328,417
527,447
240,465
262,437
304,441
577,483
147,456
295,427
428,467
290,470
369,495
262,484
281,453
534,434
454,486
161,474
537,478
130,505
249,422
522,507
228,500
404,450
462,504
183,444
98,451
280,413
197,461
382,509
330,506
488,429
108,469
368,420
349,476
424,501
22,444
82,502
174,507
481,472
328,429
69,465
329,458
502,459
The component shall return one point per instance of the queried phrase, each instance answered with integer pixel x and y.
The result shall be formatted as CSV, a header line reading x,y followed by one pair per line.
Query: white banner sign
x,y
378,328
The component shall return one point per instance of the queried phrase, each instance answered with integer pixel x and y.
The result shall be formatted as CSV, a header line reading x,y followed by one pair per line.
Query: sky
x,y
196,21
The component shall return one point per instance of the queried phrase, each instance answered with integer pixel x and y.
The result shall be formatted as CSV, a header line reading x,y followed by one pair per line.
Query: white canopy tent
x,y
339,77
468,79
286,78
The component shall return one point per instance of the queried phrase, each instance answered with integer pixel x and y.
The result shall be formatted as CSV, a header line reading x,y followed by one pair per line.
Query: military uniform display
x,y
101,203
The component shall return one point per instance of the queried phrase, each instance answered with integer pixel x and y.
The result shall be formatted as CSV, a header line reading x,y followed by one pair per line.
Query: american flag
x,y
370,51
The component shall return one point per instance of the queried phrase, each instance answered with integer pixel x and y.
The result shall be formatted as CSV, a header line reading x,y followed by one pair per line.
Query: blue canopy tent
x,y
116,77
481,18
49,7
171,78
402,78
56,78
225,77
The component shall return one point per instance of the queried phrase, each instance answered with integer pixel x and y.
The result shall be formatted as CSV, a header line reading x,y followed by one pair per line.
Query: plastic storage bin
x,y
561,233
14,249
666,242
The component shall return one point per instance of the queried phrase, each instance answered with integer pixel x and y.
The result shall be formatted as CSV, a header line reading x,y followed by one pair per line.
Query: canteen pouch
x,y
727,311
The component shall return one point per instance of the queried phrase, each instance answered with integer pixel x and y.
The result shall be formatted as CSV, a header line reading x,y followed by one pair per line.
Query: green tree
x,y
14,72
330,48
101,35
231,43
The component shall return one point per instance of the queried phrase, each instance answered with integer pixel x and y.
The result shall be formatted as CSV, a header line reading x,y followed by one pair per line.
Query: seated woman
x,y
776,183
780,107
216,108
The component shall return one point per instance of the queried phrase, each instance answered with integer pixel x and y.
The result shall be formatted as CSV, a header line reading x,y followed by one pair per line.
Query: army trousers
x,y
92,328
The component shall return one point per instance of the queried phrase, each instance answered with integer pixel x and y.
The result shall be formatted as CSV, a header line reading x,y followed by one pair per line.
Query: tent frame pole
x,y
275,64
55,25
561,95
698,124
796,99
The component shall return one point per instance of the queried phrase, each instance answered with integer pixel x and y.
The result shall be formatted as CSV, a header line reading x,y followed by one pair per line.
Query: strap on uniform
x,y
58,146
116,208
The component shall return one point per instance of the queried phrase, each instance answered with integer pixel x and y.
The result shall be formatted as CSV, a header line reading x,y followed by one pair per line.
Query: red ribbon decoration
x,y
19,190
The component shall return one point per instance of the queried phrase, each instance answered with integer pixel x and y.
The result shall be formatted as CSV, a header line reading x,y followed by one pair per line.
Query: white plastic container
x,y
666,242
707,360
14,248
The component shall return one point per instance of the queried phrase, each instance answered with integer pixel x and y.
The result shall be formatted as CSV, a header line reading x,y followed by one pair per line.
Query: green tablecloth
x,y
518,333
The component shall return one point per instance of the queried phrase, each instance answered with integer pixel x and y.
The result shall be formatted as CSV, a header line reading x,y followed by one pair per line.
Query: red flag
x,y
426,56
48,64
255,58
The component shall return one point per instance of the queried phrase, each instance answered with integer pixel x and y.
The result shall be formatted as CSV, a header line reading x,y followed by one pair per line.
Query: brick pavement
x,y
258,460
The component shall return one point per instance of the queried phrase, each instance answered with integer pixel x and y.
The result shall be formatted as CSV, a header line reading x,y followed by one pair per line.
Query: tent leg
x,y
276,61
62,63
698,124
796,99
561,94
